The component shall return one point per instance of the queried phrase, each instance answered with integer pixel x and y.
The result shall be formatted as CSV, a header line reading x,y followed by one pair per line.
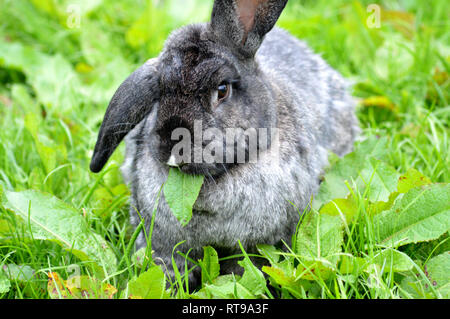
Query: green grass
x,y
55,84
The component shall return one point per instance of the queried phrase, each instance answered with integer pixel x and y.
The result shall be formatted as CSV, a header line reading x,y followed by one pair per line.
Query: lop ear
x,y
244,23
133,101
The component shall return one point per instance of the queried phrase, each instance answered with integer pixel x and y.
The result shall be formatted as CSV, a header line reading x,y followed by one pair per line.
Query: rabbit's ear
x,y
133,101
244,23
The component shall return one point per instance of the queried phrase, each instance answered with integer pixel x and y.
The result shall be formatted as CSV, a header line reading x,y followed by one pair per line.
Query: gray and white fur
x,y
276,82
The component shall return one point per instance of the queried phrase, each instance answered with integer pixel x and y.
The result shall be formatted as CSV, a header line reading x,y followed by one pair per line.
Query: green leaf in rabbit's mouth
x,y
181,191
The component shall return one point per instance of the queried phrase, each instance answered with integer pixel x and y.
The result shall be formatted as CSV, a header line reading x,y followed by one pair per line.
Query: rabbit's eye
x,y
223,92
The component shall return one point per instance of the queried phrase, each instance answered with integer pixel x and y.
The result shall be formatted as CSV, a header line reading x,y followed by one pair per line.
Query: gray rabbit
x,y
237,71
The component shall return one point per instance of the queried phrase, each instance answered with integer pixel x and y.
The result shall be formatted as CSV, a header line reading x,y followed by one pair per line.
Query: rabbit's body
x,y
282,85
254,203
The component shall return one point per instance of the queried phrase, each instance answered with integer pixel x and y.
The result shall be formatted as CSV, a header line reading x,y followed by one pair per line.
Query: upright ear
x,y
133,101
244,23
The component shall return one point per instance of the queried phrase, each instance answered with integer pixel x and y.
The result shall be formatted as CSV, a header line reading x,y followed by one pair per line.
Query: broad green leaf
x,y
50,153
378,207
269,252
5,284
406,182
320,236
348,169
281,277
438,271
381,179
140,257
149,285
51,219
85,287
345,206
210,264
410,180
181,191
351,265
78,287
56,287
252,279
391,259
110,199
316,269
20,273
226,287
422,214
286,275
436,283
53,78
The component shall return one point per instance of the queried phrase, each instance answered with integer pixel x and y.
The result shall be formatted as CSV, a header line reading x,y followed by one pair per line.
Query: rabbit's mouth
x,y
214,170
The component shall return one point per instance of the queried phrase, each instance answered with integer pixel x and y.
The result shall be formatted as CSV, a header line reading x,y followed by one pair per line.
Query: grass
x,y
56,81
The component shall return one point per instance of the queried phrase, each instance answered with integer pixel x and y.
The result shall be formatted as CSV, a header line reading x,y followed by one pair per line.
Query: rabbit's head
x,y
204,85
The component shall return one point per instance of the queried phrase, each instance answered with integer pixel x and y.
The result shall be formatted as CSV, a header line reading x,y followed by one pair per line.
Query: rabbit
x,y
236,71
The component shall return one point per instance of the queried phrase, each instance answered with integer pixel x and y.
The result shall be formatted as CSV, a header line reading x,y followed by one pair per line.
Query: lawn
x,y
379,227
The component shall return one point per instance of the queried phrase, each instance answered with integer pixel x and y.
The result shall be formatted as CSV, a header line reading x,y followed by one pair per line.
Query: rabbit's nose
x,y
172,162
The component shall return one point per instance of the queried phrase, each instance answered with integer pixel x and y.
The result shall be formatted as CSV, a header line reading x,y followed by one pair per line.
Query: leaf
x,y
109,199
149,285
380,182
345,206
51,219
422,214
53,79
85,287
410,180
438,271
51,153
319,244
381,179
351,265
381,102
437,279
312,270
225,287
406,182
281,277
5,284
140,257
348,169
320,236
269,252
210,264
252,279
391,259
181,191
78,287
19,273
56,288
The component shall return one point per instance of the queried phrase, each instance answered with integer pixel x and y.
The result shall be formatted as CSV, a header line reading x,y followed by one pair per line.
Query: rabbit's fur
x,y
282,84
